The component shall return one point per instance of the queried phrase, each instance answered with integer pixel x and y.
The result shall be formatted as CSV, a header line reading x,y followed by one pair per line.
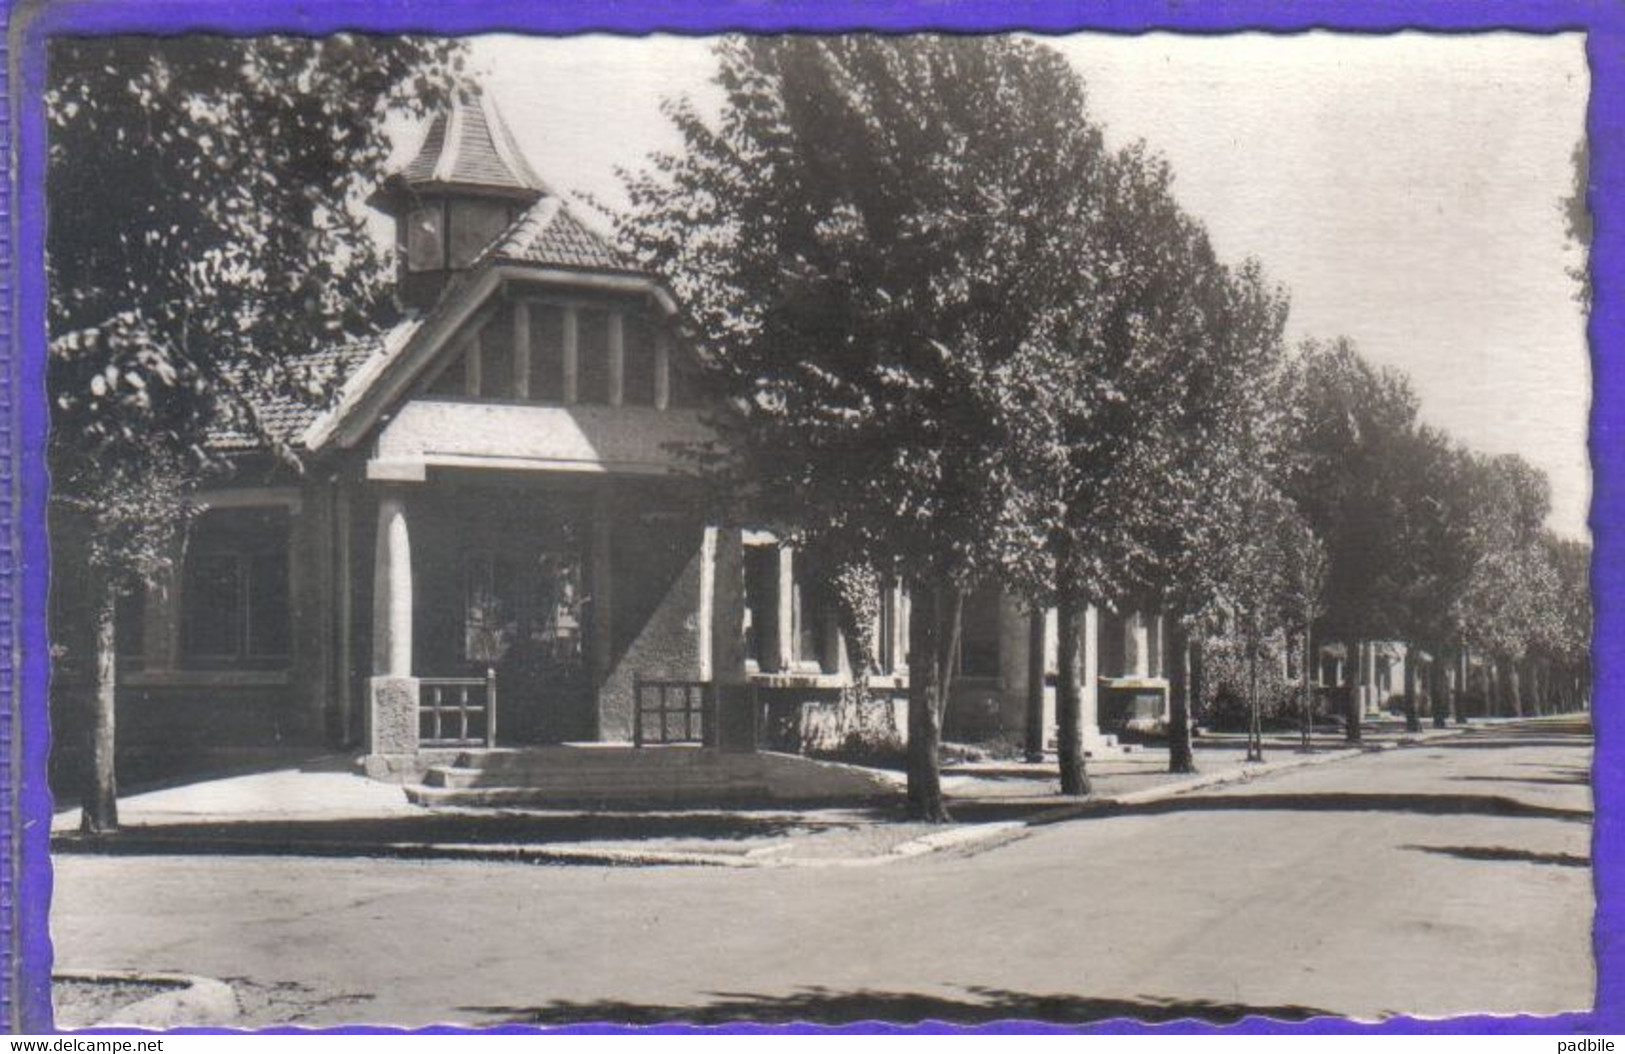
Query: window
x,y
638,384
891,651
816,638
495,349
426,237
592,356
979,634
129,626
235,594
546,353
525,610
490,608
683,381
474,224
762,606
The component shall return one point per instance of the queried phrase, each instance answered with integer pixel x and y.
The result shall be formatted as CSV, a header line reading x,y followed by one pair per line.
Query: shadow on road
x,y
819,1005
1500,742
459,828
1502,853
1577,780
1422,804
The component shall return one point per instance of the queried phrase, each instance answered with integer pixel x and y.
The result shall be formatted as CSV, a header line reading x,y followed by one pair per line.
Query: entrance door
x,y
524,618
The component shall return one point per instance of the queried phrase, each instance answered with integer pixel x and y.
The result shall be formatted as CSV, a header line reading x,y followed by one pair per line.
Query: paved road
x,y
1441,879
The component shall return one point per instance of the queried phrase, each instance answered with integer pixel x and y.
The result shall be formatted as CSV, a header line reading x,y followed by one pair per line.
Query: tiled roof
x,y
284,415
470,144
547,233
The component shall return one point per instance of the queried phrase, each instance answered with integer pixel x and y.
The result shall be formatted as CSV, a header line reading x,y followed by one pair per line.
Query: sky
x,y
1406,189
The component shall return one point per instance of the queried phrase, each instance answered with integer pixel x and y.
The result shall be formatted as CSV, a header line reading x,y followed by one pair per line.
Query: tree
x,y
1352,421
1569,640
1228,437
233,247
869,245
1508,605
1301,601
1156,344
1440,534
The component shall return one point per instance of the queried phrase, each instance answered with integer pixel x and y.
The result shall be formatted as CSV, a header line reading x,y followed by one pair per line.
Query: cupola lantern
x,y
468,183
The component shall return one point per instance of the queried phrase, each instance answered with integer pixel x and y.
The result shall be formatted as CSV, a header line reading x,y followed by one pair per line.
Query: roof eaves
x,y
359,380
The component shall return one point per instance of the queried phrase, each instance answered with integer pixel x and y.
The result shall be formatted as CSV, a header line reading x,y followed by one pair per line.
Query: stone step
x,y
458,776
539,759
588,795
658,776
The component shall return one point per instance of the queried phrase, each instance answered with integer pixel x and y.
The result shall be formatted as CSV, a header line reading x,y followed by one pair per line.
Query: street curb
x,y
194,1001
1085,806
126,843
130,841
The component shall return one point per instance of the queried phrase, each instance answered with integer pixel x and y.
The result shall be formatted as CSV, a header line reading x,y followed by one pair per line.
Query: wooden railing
x,y
458,711
674,712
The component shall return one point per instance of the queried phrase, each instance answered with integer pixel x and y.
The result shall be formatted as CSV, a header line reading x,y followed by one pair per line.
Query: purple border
x,y
25,890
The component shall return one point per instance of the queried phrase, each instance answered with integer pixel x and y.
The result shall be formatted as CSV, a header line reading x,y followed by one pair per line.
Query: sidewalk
x,y
321,809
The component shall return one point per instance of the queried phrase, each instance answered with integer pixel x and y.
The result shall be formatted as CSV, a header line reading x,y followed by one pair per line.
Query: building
x,y
495,540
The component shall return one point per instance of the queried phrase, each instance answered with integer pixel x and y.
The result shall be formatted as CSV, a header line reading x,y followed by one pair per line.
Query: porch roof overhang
x,y
448,433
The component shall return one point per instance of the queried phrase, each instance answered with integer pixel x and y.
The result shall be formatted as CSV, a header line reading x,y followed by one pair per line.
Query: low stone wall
x,y
815,722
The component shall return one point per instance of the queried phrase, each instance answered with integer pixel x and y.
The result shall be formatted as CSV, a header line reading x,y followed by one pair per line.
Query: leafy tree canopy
x,y
205,224
870,246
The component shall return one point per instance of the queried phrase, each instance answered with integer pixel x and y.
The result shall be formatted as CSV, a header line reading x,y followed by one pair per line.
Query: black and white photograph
x,y
818,528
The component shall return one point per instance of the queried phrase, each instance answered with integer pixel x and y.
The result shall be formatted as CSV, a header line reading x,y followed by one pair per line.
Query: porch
x,y
536,609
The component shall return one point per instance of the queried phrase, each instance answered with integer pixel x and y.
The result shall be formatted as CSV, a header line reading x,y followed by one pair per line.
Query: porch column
x,y
1089,691
393,728
784,643
1368,677
1136,645
343,600
735,712
601,587
617,357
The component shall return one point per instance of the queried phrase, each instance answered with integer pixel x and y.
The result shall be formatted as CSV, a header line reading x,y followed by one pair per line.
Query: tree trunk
x,y
1515,687
1460,687
1255,725
929,651
1180,756
1196,692
1309,678
1438,690
1069,624
1351,679
99,814
1413,715
1037,624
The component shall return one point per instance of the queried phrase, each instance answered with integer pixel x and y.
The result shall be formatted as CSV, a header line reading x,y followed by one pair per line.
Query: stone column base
x,y
395,768
392,725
